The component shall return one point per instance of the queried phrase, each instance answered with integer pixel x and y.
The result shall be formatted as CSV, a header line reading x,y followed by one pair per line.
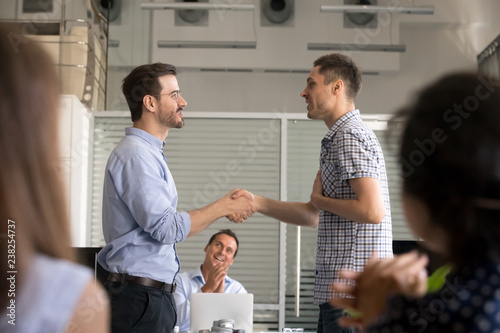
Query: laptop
x,y
209,307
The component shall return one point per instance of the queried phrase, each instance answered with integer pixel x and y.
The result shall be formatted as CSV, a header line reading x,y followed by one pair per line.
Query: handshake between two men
x,y
241,203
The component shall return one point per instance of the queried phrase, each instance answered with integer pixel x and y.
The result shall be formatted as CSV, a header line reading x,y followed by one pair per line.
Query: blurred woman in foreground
x,y
41,290
450,159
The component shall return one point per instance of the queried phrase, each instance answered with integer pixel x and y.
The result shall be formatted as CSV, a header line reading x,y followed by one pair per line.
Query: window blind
x,y
208,158
108,131
303,147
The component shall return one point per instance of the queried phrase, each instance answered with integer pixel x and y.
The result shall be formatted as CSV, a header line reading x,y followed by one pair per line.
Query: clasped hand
x,y
317,190
381,278
216,278
242,204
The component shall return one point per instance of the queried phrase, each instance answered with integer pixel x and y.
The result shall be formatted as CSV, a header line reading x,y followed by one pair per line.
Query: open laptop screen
x,y
209,307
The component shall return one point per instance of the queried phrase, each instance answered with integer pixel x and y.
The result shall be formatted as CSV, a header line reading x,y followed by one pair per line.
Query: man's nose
x,y
182,102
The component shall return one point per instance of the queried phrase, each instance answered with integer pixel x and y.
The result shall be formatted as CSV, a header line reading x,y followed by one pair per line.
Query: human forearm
x,y
205,216
298,213
208,288
368,206
350,209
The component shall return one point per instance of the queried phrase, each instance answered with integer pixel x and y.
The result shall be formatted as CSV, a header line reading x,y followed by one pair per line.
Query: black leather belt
x,y
143,281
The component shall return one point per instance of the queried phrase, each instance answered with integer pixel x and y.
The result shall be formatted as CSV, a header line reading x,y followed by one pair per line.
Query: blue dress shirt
x,y
140,223
191,282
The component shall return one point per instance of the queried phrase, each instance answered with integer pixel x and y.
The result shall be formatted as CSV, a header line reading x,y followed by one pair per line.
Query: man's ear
x,y
337,86
149,102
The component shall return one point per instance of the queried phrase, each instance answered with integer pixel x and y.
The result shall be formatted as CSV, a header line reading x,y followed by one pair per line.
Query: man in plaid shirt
x,y
350,198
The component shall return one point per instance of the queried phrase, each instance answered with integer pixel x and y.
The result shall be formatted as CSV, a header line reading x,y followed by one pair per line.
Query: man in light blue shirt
x,y
210,277
140,222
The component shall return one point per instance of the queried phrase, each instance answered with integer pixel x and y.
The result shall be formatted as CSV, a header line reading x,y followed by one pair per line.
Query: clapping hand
x,y
216,278
381,278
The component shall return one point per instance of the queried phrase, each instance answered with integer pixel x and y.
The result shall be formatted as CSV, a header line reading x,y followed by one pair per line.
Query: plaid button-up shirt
x,y
349,150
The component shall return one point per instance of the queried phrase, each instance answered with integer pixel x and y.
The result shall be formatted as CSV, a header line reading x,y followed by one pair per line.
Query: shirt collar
x,y
149,138
354,114
197,274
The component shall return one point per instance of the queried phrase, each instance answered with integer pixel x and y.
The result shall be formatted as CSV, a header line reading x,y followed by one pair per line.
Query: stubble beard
x,y
311,114
170,120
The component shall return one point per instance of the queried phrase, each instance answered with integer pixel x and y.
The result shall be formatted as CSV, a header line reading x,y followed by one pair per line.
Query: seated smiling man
x,y
210,277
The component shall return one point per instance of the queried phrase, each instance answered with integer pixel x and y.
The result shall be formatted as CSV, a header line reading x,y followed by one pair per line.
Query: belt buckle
x,y
173,286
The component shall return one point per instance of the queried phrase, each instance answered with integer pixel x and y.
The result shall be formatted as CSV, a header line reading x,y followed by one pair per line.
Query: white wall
x,y
430,53
278,47
446,41
450,41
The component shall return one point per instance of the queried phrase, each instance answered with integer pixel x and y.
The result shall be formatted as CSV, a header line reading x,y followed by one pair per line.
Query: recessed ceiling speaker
x,y
110,9
192,16
356,20
35,6
277,12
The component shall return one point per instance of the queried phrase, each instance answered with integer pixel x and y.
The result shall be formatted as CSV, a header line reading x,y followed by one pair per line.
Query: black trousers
x,y
136,308
328,317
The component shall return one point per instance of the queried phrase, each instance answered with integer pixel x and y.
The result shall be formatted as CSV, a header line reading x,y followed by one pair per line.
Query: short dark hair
x,y
142,81
450,158
338,66
228,232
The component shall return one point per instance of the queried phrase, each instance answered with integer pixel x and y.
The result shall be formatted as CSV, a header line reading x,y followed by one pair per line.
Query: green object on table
x,y
352,313
434,283
437,279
